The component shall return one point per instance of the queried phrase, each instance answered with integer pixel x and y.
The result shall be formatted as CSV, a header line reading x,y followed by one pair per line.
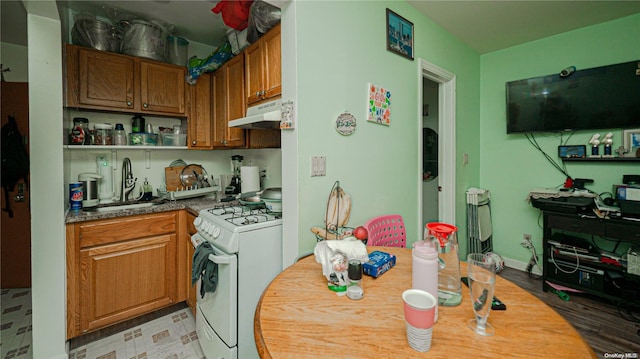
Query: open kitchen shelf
x,y
99,147
602,159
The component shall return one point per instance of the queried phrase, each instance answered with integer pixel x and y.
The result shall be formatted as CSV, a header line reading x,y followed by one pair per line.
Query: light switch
x,y
318,166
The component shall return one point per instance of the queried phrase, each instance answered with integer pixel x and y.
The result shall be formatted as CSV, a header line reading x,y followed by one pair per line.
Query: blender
x,y
234,186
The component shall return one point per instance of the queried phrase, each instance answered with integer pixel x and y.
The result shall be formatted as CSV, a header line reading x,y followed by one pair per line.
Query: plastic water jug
x,y
444,238
425,269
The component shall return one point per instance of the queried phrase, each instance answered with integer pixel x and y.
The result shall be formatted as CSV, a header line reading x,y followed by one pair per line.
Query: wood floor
x,y
605,327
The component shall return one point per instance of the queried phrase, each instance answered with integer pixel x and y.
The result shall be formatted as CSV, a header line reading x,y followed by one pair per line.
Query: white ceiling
x,y
483,25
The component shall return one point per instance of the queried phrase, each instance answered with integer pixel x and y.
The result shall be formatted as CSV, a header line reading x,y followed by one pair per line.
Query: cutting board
x,y
173,180
172,177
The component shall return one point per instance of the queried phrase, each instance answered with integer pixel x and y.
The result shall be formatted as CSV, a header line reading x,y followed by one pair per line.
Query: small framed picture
x,y
399,35
631,142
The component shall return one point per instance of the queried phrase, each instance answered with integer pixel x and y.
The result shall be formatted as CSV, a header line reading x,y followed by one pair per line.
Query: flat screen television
x,y
606,97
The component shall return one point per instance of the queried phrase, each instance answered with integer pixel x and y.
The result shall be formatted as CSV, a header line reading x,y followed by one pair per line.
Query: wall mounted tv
x,y
606,97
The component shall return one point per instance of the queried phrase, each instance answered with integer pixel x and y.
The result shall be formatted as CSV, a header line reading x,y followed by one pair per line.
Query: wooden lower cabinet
x,y
120,268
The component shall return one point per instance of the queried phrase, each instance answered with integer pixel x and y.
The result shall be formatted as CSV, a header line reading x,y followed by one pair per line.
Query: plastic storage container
x,y
119,135
170,139
178,50
237,39
143,139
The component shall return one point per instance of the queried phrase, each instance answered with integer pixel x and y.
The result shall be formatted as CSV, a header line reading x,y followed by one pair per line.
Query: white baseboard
x,y
522,266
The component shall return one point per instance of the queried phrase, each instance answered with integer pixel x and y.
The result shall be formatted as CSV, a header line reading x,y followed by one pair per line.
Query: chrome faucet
x,y
128,182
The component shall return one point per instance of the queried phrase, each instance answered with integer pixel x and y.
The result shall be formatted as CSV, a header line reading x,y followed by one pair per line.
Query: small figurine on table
x,y
339,275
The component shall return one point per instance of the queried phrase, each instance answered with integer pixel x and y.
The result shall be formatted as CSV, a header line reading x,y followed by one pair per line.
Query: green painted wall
x,y
510,166
342,48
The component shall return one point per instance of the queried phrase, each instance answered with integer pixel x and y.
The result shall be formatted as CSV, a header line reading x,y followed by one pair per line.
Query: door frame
x,y
446,140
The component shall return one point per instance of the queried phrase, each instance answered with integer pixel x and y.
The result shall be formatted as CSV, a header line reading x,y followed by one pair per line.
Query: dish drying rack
x,y
187,193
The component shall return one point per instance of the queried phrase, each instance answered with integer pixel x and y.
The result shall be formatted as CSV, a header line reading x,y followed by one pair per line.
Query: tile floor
x,y
15,323
172,336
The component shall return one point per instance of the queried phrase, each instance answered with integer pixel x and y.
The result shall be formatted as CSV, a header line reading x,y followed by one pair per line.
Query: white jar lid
x,y
103,126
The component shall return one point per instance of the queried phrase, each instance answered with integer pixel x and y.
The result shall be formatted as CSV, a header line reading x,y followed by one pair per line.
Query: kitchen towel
x,y
203,268
250,179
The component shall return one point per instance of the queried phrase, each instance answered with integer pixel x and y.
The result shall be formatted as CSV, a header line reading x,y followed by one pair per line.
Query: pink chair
x,y
387,231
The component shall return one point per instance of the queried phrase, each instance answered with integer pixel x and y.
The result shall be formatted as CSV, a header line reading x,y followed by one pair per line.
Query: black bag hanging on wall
x,y
15,160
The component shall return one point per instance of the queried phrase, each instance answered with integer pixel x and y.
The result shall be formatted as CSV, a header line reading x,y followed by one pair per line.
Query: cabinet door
x,y
201,117
162,88
105,80
228,101
125,279
235,100
263,67
272,63
219,107
254,76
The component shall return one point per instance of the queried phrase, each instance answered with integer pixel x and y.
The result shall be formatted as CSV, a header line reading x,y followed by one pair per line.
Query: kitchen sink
x,y
123,206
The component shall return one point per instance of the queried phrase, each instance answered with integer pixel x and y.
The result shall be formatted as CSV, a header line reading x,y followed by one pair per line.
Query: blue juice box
x,y
379,263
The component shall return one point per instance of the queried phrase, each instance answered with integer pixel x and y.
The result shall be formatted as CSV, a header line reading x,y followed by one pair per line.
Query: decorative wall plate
x,y
346,124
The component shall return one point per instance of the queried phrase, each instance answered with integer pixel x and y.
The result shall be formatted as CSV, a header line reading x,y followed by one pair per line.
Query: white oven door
x,y
220,308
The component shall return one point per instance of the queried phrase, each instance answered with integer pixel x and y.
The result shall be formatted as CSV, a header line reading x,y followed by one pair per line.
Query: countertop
x,y
193,205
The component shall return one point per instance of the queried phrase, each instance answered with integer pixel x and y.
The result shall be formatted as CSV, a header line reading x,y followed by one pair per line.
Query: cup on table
x,y
419,313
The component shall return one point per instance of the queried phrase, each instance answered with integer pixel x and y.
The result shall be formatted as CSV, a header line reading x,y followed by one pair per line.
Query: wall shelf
x,y
602,159
112,148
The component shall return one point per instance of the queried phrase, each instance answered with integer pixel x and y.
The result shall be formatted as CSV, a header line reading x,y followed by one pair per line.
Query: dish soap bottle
x,y
147,191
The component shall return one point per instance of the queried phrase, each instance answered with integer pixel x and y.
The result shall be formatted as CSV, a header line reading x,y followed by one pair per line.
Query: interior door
x,y
15,243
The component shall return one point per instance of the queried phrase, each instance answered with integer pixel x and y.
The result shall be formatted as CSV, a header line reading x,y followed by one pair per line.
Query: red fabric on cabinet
x,y
235,13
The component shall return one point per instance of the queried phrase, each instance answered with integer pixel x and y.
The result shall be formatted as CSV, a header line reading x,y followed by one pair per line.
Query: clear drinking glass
x,y
482,283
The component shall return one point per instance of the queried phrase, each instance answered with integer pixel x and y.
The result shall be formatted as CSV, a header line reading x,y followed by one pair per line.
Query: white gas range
x,y
247,242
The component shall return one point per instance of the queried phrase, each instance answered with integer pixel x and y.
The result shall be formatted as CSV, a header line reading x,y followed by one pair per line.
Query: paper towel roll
x,y
250,179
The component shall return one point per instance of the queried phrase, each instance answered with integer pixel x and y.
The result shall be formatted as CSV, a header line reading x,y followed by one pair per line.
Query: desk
x,y
299,317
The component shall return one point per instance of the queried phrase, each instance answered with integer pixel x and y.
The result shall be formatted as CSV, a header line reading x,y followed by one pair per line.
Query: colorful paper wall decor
x,y
379,105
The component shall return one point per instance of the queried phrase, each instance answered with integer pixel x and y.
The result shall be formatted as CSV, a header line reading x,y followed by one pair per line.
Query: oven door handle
x,y
219,259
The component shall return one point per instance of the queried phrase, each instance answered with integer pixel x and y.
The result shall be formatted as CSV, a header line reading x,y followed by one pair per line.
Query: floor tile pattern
x,y
172,336
15,323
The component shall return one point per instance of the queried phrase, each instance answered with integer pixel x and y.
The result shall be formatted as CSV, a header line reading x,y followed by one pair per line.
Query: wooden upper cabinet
x,y
99,80
201,116
162,88
263,67
104,80
228,103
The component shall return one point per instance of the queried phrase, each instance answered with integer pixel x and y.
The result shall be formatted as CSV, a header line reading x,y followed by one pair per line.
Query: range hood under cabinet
x,y
265,116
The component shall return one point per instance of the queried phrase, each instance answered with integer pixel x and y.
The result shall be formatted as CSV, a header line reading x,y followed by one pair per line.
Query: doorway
x,y
437,113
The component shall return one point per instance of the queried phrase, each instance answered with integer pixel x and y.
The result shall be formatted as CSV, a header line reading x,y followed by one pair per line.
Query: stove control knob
x,y
216,232
204,226
197,221
210,230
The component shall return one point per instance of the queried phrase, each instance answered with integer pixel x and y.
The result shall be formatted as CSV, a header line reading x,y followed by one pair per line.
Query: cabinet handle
x,y
258,93
129,103
145,105
193,142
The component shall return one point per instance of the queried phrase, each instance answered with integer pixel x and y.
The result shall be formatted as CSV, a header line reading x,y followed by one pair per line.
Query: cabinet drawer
x,y
623,232
578,225
126,228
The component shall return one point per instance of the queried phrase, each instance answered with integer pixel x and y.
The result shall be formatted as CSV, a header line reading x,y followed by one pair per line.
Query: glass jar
x,y
104,134
444,238
79,134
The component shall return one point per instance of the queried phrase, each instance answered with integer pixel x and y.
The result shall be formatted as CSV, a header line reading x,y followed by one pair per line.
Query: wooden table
x,y
299,317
